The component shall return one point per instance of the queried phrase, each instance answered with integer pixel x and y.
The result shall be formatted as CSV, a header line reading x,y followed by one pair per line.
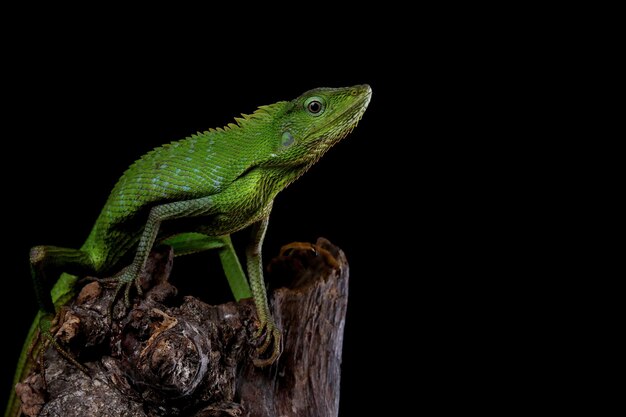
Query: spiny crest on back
x,y
262,113
247,121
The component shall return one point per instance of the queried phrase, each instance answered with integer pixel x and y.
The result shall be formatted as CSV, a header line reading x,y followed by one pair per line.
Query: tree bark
x,y
168,357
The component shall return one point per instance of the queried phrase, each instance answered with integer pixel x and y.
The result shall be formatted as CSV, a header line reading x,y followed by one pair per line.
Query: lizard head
x,y
310,124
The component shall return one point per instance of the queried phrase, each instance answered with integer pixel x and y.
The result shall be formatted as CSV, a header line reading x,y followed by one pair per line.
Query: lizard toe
x,y
270,337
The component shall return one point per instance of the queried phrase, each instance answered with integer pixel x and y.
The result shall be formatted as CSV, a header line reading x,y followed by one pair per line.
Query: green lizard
x,y
192,194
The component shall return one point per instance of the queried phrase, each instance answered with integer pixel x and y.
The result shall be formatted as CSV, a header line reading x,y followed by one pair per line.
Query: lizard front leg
x,y
267,329
176,210
196,242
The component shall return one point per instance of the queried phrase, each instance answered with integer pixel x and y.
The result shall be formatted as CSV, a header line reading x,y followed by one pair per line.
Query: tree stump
x,y
171,358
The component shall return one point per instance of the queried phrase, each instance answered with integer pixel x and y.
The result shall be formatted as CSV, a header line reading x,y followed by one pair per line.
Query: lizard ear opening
x,y
287,139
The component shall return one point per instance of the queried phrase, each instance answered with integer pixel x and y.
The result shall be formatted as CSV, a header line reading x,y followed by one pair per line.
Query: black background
x,y
404,195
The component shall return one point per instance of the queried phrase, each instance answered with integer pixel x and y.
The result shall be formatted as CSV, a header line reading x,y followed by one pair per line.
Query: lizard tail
x,y
24,366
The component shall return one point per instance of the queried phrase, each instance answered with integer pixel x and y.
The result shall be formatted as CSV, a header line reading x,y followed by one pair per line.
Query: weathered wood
x,y
167,358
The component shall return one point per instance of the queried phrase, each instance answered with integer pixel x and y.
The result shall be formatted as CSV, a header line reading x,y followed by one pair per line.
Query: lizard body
x,y
193,194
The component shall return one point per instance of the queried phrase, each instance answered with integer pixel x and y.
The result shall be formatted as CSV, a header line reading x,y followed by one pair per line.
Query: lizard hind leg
x,y
187,243
44,339
44,260
47,259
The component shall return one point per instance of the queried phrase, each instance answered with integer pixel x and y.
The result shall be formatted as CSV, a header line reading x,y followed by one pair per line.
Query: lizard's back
x,y
199,166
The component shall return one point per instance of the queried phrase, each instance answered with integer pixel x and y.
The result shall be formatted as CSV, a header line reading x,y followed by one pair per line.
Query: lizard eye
x,y
314,106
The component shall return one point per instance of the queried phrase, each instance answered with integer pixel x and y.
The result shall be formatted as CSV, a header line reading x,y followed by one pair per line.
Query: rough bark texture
x,y
167,358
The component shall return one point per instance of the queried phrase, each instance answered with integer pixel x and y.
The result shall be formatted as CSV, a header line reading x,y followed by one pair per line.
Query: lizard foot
x,y
268,336
125,281
44,339
66,355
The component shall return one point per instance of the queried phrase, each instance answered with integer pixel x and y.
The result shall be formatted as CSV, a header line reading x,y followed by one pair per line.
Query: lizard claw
x,y
124,281
45,339
269,336
65,354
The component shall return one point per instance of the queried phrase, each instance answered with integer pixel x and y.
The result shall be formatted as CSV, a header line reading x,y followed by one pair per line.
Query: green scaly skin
x,y
193,194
